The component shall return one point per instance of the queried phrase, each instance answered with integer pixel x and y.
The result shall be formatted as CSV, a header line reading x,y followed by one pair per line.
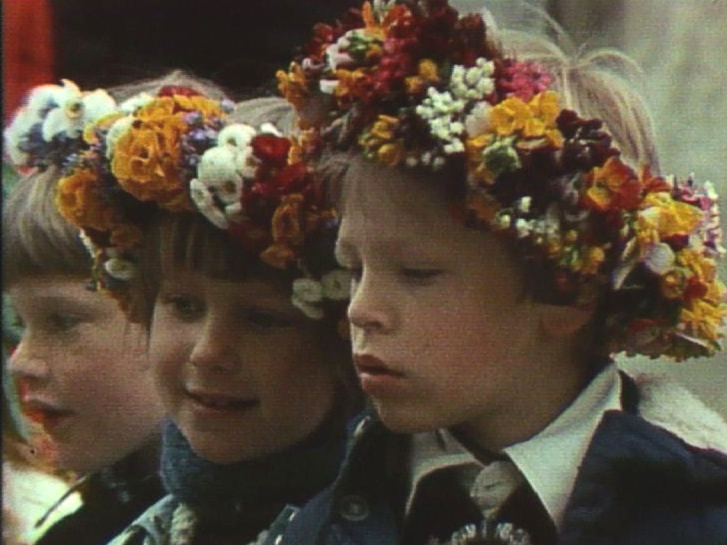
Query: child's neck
x,y
540,399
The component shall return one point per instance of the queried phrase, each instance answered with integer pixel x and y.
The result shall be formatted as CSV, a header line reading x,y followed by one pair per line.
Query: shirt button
x,y
354,508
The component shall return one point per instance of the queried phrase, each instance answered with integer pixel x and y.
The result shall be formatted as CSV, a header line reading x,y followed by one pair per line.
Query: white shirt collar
x,y
549,461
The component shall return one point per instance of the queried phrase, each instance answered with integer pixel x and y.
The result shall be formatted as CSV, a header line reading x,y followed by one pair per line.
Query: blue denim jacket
x,y
639,484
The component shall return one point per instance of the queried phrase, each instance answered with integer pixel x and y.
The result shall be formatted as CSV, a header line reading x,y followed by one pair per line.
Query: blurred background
x,y
239,44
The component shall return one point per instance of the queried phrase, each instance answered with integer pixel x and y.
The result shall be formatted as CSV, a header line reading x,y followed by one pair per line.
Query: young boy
x,y
502,253
80,364
217,241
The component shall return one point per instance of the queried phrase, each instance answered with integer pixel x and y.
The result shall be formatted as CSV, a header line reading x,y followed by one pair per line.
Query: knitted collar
x,y
219,494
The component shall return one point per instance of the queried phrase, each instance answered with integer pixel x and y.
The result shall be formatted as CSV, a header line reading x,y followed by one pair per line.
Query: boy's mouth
x,y
43,413
221,402
371,365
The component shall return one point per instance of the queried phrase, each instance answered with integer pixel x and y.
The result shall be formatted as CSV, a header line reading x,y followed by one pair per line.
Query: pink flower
x,y
523,80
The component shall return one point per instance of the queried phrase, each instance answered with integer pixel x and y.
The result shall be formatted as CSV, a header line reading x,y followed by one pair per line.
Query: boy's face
x,y
83,372
440,309
240,370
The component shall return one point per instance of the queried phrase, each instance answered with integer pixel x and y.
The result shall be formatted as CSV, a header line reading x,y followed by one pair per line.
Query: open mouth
x,y
44,414
370,365
221,402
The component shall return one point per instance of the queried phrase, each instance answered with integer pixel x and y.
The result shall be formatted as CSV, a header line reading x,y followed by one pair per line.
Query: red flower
x,y
291,179
171,90
271,150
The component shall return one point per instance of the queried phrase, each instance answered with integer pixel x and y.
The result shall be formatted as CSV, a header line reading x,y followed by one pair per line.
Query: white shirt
x,y
549,461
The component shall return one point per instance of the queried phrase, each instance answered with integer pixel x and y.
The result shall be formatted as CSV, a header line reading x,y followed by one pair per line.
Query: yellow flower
x,y
391,154
474,148
703,320
427,73
509,116
293,86
667,217
533,120
78,201
593,258
379,140
207,107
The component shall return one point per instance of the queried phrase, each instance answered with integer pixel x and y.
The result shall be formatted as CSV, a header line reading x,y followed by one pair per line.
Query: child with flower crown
x,y
212,234
503,251
80,365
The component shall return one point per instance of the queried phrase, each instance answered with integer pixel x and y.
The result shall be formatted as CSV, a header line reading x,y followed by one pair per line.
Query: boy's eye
x,y
60,321
420,275
263,319
185,307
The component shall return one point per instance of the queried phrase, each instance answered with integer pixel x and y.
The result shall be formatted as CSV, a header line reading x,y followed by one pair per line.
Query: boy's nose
x,y
214,350
370,307
26,365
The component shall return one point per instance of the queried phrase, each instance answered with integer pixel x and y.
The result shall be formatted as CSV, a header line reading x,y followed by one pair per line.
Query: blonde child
x,y
503,251
80,365
216,239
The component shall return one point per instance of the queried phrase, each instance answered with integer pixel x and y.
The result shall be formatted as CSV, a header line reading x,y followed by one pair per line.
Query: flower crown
x,y
416,84
178,151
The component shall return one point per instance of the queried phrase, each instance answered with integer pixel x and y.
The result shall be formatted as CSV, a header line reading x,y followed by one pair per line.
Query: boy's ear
x,y
563,321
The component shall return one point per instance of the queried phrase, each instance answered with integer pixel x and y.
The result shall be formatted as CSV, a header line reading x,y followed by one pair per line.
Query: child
x,y
215,238
80,365
503,252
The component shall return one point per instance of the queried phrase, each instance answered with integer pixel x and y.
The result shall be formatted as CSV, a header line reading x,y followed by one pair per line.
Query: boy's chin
x,y
406,420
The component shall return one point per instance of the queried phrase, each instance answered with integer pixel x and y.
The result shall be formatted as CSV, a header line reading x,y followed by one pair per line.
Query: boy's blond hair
x,y
37,240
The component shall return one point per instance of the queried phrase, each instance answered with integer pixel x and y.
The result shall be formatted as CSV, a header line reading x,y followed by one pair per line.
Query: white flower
x,y
337,55
337,285
117,130
307,296
218,171
72,115
205,203
269,128
308,290
659,258
135,103
16,133
523,204
121,269
523,227
328,86
473,83
237,135
478,120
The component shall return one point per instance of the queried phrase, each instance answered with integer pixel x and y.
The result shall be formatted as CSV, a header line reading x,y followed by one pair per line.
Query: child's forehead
x,y
396,199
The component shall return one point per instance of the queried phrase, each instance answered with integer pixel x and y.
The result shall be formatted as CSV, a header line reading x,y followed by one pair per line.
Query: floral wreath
x,y
178,151
416,84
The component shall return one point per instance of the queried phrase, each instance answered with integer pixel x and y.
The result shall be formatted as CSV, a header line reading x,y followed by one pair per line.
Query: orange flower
x,y
612,187
293,86
146,159
286,222
353,85
278,255
78,201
